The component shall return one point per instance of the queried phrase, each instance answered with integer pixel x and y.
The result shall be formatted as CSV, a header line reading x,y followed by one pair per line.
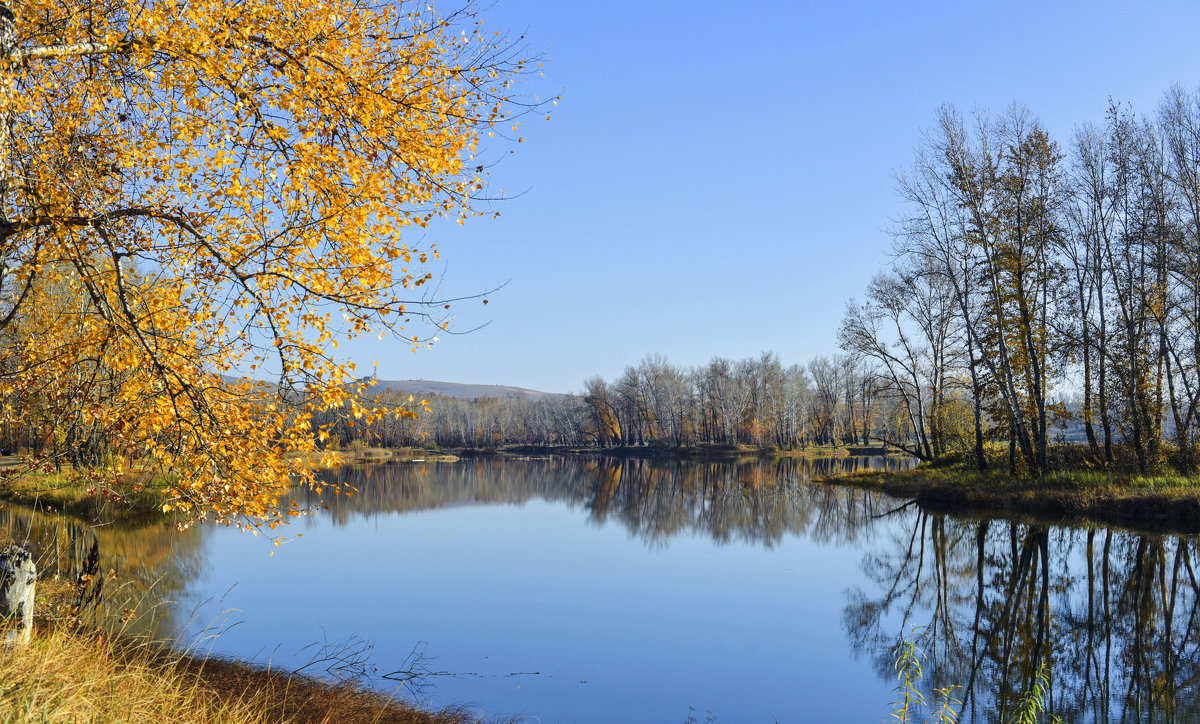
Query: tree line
x,y
1029,272
1037,285
755,401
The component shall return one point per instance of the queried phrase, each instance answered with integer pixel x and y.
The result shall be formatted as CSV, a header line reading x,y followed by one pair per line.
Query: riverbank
x,y
1165,502
375,455
682,452
71,674
137,498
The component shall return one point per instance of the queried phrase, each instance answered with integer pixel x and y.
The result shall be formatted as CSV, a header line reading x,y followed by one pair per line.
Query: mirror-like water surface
x,y
628,590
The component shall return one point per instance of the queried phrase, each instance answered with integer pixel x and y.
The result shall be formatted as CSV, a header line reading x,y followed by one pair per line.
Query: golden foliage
x,y
197,192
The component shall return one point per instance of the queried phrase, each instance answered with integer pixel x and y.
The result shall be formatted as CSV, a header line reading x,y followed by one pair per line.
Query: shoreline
x,y
137,500
135,503
683,452
1158,504
1095,497
69,671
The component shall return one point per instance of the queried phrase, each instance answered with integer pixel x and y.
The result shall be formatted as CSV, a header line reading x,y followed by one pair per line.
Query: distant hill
x,y
425,388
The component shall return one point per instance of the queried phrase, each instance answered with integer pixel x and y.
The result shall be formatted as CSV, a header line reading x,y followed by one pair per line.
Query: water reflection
x,y
750,502
1112,614
143,570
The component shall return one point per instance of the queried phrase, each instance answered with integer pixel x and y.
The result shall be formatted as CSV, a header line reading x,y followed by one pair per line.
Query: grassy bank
x,y
137,498
66,675
1165,502
680,452
363,455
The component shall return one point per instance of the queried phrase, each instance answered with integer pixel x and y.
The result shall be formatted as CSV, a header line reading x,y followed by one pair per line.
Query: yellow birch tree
x,y
223,191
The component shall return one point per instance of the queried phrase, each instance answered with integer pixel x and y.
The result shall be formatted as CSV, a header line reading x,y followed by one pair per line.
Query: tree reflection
x,y
147,569
1113,615
755,501
140,569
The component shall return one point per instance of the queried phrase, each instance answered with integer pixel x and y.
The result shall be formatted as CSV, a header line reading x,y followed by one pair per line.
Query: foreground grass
x,y
1166,501
68,676
1033,706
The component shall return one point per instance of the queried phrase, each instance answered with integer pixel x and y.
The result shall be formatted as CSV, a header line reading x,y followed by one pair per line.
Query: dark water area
x,y
588,590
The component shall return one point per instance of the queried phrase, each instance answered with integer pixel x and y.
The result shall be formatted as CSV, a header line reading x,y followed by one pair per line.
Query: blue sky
x,y
718,177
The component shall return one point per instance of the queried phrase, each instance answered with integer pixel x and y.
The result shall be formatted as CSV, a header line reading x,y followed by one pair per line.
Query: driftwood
x,y
18,576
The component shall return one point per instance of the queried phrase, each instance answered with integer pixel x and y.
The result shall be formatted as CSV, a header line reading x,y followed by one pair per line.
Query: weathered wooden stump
x,y
18,576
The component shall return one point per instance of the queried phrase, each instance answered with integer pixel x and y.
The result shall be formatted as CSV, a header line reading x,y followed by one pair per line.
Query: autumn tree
x,y
1067,273
1090,220
904,327
229,190
827,374
722,399
932,237
604,415
1006,181
1179,121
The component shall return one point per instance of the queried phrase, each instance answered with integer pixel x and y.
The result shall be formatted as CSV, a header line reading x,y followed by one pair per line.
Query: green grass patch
x,y
137,497
1159,501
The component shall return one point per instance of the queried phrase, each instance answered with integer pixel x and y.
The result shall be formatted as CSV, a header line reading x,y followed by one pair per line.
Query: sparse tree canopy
x,y
199,191
1051,273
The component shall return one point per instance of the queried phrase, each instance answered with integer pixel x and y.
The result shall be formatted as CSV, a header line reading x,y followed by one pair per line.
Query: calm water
x,y
606,590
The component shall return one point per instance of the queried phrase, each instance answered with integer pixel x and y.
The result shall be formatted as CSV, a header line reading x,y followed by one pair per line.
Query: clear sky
x,y
718,177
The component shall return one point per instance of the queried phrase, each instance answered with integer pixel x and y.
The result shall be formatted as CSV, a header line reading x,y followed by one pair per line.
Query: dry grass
x,y
68,677
359,455
70,674
817,451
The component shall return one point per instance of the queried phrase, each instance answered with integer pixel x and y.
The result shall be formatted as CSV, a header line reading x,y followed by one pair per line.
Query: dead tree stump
x,y
18,576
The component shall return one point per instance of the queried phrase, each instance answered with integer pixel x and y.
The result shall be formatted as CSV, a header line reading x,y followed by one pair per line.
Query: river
x,y
598,590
